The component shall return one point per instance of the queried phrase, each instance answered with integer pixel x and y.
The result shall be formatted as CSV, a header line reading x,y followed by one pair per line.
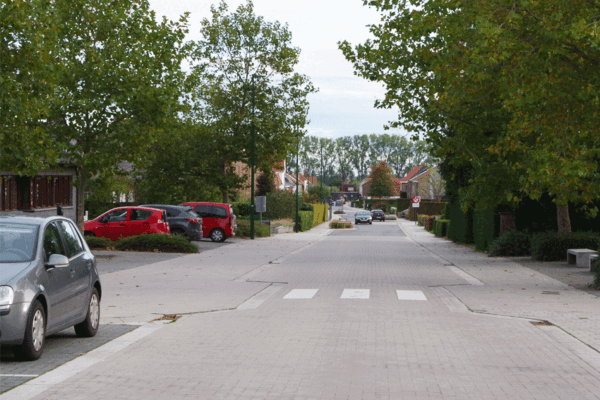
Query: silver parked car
x,y
364,217
48,282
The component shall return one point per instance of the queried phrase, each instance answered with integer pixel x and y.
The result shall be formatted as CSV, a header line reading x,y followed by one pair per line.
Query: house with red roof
x,y
402,186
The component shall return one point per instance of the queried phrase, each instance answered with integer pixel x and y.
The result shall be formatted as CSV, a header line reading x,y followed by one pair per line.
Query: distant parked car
x,y
378,215
128,221
364,217
183,221
403,213
218,219
49,282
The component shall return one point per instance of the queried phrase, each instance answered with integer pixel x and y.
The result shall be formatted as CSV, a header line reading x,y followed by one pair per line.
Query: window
x,y
115,216
52,242
140,215
172,212
17,242
219,212
72,239
204,211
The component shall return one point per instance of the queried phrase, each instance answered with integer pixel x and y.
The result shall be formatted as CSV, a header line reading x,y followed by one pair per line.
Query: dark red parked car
x,y
127,221
218,219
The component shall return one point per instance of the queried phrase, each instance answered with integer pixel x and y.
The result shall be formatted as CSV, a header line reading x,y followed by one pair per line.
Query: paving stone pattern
x,y
327,347
60,348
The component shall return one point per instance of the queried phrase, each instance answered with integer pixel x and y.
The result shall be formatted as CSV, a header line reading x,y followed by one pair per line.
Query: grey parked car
x,y
48,282
183,221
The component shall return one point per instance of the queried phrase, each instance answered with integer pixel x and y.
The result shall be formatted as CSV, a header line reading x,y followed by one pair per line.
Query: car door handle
x,y
72,274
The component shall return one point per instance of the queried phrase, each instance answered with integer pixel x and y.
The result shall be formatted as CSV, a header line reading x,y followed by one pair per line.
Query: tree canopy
x,y
507,88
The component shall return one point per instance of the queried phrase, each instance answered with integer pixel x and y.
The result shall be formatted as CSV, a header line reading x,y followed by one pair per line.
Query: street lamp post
x,y
252,205
297,227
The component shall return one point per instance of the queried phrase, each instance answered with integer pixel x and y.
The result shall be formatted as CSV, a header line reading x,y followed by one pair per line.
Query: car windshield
x,y
363,214
192,213
17,242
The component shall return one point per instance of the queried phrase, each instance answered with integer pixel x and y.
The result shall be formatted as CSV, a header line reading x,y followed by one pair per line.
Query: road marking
x,y
410,295
256,300
356,294
472,280
42,383
301,294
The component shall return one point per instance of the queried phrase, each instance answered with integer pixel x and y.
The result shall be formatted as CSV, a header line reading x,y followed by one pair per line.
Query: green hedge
x,y
428,222
337,224
427,207
550,246
461,228
156,242
486,227
320,213
99,243
400,204
260,230
306,220
511,244
420,219
441,227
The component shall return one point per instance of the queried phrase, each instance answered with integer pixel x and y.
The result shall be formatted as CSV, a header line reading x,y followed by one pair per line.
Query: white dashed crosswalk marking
x,y
410,295
356,294
301,294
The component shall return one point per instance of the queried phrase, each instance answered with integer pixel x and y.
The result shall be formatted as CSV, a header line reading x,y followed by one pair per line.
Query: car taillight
x,y
193,220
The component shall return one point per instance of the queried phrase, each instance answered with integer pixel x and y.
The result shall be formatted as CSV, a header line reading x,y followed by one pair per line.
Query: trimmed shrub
x,y
156,242
99,243
426,207
595,267
428,222
390,217
260,230
441,227
550,246
306,220
241,209
306,207
338,212
340,224
486,227
420,220
511,244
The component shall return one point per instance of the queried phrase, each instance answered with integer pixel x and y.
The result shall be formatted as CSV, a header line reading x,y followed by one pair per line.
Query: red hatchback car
x,y
127,221
218,219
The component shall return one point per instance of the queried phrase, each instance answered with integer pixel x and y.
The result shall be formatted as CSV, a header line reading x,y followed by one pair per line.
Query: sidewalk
x,y
512,290
139,295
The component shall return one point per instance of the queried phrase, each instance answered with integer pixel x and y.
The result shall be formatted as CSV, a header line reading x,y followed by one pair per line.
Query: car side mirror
x,y
58,261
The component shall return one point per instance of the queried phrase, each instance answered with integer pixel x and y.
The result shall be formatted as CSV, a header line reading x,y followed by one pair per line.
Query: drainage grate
x,y
547,292
545,323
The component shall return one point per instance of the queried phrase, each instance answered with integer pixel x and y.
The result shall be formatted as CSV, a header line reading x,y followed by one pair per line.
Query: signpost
x,y
261,205
415,204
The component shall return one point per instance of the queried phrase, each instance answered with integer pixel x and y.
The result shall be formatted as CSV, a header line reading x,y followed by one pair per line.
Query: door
x,y
59,287
138,222
112,225
208,222
80,267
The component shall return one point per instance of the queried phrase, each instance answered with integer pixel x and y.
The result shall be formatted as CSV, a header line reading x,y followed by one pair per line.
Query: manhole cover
x,y
547,292
545,323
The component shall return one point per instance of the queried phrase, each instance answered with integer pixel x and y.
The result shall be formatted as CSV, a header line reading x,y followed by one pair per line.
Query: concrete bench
x,y
580,257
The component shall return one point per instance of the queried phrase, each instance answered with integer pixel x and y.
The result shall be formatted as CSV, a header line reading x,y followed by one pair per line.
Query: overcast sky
x,y
344,104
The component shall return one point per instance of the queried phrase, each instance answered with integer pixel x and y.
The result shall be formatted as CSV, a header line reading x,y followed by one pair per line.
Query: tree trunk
x,y
80,206
564,222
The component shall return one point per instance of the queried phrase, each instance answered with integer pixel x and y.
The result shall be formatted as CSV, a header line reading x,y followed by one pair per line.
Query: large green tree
x,y
243,63
506,88
119,81
27,84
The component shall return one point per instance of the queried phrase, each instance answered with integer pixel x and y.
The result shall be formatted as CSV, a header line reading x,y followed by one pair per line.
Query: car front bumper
x,y
12,325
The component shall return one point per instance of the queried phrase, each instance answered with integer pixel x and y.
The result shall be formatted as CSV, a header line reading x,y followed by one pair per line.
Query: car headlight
x,y
7,295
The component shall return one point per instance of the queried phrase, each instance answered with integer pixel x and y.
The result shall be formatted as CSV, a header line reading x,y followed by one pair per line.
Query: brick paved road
x,y
381,346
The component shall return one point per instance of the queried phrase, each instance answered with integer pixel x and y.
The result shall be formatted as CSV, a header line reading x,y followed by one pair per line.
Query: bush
x,y
428,222
595,267
340,224
306,220
390,217
156,242
441,227
420,220
511,244
306,207
260,230
241,209
338,212
99,243
550,246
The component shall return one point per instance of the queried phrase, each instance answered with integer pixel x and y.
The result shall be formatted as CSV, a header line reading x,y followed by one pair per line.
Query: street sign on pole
x,y
261,205
416,201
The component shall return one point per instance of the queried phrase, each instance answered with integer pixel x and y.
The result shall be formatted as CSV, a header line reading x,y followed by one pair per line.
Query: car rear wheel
x,y
89,327
217,235
35,334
